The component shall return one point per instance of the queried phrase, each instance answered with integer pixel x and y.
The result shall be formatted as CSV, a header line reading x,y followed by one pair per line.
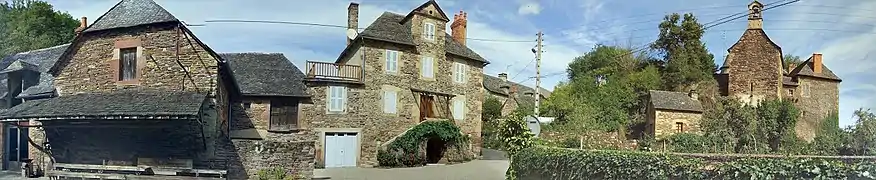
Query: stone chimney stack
x,y
352,19
458,27
817,63
503,76
83,23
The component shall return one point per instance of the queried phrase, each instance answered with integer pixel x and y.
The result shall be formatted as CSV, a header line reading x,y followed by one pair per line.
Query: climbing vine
x,y
405,150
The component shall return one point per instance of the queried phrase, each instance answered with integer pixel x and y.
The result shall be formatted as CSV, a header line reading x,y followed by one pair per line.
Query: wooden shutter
x,y
284,115
128,67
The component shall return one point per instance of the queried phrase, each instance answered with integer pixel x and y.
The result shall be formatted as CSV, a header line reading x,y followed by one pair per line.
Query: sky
x,y
843,30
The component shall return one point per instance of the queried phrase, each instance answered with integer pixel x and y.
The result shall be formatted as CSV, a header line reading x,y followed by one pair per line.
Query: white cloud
x,y
529,8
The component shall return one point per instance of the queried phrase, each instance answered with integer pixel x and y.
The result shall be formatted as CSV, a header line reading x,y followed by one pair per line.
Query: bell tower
x,y
755,15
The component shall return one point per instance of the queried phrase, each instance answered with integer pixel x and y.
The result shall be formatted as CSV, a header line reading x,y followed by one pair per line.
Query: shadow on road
x,y
492,154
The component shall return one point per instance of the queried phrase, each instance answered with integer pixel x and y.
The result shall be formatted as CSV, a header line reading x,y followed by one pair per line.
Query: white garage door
x,y
340,150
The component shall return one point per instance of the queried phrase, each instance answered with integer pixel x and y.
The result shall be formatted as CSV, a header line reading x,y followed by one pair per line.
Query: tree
x,y
830,137
516,136
863,133
492,109
789,59
776,121
686,59
31,24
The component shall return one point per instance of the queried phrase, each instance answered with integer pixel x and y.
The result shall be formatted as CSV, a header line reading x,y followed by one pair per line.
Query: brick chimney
x,y
458,27
505,87
352,19
816,63
83,23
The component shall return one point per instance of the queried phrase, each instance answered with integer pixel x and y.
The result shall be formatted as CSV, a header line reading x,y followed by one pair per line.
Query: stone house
x,y
670,113
263,96
400,71
753,71
137,94
511,94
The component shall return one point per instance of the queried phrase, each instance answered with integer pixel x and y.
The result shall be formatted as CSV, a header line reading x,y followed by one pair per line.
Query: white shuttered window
x,y
391,61
459,72
337,98
428,67
459,108
429,31
390,101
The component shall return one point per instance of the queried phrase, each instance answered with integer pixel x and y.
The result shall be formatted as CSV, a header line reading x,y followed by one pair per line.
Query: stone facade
x,y
364,104
90,66
668,121
755,67
817,99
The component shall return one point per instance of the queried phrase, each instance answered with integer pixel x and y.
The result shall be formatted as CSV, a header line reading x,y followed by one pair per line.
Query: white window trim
x,y
428,33
430,65
386,101
459,108
459,72
391,61
342,96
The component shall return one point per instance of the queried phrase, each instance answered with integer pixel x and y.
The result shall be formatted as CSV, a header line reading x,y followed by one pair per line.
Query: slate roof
x,y
806,69
788,81
389,27
494,84
128,102
263,74
43,59
129,13
668,100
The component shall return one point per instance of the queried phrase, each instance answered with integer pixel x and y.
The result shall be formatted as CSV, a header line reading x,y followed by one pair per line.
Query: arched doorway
x,y
434,150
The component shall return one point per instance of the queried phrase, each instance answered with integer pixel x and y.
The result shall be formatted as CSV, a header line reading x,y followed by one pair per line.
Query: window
x,y
806,89
429,31
128,64
679,127
391,61
284,115
246,106
790,92
459,72
427,67
390,101
459,109
337,98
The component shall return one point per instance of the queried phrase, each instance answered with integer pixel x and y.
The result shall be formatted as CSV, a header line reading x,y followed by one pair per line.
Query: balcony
x,y
331,72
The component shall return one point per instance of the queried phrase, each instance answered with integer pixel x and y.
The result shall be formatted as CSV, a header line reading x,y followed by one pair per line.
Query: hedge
x,y
559,163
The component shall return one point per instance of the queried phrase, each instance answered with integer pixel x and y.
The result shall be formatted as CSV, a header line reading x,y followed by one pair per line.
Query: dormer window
x,y
429,31
128,64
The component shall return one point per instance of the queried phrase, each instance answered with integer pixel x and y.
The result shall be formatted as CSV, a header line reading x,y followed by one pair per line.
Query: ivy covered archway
x,y
408,150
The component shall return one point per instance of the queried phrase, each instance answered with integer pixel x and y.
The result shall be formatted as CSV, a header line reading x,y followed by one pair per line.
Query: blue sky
x,y
843,30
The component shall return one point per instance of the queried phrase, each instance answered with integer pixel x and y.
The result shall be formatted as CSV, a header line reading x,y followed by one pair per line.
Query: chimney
x,y
352,19
458,27
503,76
791,67
83,23
816,63
505,88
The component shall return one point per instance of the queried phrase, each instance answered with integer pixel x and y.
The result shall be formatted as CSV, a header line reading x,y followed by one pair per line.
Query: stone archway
x,y
435,150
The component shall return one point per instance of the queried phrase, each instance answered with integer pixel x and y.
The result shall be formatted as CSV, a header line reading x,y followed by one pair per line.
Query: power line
x,y
521,70
765,9
336,26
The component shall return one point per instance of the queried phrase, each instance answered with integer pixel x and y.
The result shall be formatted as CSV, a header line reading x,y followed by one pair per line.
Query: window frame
x,y
430,65
386,102
459,70
429,31
128,64
391,61
341,99
458,108
679,127
286,119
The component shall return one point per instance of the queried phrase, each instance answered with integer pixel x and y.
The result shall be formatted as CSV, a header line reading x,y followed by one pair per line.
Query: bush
x,y
687,143
560,163
273,174
405,151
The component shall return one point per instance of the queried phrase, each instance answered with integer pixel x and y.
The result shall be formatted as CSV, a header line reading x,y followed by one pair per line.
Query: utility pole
x,y
538,72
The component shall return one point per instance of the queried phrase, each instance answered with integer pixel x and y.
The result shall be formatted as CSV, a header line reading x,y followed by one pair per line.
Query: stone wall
x,y
89,66
294,153
665,122
755,63
256,116
364,102
821,100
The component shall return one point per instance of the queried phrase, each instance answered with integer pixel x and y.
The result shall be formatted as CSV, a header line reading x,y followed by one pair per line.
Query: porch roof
x,y
120,104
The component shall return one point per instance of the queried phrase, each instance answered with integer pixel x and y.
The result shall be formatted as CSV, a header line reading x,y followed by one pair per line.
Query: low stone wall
x,y
296,158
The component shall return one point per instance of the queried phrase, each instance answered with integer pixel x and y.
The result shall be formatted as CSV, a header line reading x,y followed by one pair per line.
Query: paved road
x,y
477,169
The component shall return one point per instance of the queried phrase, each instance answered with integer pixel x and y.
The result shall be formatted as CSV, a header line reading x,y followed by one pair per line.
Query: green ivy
x,y
405,150
273,174
560,163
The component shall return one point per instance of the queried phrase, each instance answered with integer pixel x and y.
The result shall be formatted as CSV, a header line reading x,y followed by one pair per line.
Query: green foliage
x,y
686,58
687,143
28,25
863,141
492,111
776,121
557,163
789,59
514,132
560,164
405,150
830,137
273,174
